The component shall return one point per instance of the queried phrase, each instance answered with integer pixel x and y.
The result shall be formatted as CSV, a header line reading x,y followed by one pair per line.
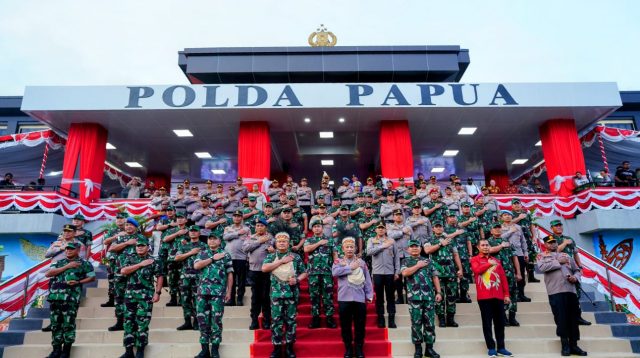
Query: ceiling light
x,y
326,134
133,164
218,171
331,182
110,146
307,120
326,162
203,155
519,161
450,153
183,132
437,170
539,144
467,130
341,120
54,173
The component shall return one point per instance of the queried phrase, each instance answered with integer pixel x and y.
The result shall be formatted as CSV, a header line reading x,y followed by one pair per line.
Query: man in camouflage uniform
x,y
367,226
109,237
334,209
345,227
423,292
501,249
124,246
444,254
67,277
236,235
170,237
218,221
321,251
567,245
285,223
356,211
287,270
485,216
84,236
465,243
435,209
214,289
142,291
186,253
524,218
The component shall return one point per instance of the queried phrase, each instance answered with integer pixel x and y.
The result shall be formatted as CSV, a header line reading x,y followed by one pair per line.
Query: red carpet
x,y
324,342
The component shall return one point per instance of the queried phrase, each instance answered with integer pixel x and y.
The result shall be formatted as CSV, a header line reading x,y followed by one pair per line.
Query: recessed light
x,y
326,134
437,170
133,164
326,162
307,120
341,120
539,144
54,173
519,161
203,155
218,171
183,132
467,130
450,153
110,146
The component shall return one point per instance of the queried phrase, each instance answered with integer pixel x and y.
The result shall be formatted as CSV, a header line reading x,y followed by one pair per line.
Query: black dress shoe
x,y
583,322
524,298
576,351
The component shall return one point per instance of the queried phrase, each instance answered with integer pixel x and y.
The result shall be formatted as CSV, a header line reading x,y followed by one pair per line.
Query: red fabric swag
x,y
396,151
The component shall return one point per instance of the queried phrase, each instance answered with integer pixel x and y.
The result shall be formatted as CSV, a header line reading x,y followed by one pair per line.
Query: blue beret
x,y
133,222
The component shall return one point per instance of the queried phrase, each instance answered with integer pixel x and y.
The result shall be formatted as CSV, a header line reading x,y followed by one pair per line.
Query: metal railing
x,y
40,188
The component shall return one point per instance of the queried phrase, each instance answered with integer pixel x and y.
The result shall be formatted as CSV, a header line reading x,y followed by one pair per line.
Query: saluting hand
x,y
218,256
146,262
355,264
286,259
72,264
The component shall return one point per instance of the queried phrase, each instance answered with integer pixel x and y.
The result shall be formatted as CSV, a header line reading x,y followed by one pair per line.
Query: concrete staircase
x,y
535,338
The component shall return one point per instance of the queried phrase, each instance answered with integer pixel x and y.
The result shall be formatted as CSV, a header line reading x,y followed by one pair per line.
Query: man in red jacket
x,y
492,294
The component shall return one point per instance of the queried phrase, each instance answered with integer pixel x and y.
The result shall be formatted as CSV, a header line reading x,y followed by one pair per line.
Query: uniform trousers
x,y
239,280
352,314
260,287
383,285
566,311
523,273
63,322
492,311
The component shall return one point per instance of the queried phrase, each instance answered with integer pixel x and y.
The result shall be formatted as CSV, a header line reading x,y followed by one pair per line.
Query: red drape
x,y
254,152
86,145
396,152
160,180
501,178
562,154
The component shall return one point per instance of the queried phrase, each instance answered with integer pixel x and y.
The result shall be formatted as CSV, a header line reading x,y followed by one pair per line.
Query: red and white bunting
x,y
32,139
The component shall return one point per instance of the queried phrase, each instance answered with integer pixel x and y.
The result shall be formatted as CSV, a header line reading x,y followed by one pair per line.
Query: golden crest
x,y
322,38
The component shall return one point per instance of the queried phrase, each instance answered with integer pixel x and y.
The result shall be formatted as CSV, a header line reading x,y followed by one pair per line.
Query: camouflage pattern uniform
x,y
320,279
64,300
440,213
110,256
443,260
172,268
506,255
86,238
219,229
345,228
284,302
421,300
138,299
188,276
460,242
212,288
120,284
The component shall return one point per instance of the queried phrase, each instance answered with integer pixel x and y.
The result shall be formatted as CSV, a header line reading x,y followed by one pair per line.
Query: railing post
x,y
611,298
24,295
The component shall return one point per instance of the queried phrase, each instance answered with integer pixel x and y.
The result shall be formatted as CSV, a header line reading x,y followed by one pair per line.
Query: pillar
x,y
254,152
562,154
84,158
396,152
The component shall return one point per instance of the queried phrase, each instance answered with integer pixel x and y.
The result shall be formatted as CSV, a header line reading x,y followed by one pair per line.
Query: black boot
x,y
582,321
66,351
429,352
348,350
315,322
266,322
118,326
196,326
512,320
418,353
532,278
464,297
140,351
331,323
173,302
277,351
381,323
214,351
566,350
392,320
204,353
290,353
441,321
575,350
450,321
47,328
57,351
109,303
523,298
254,324
187,325
128,353
359,351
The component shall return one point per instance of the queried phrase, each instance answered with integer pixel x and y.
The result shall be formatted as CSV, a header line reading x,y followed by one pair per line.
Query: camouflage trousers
x,y
173,278
137,316
283,320
188,290
422,322
119,287
321,290
510,272
63,322
449,286
111,278
467,275
209,312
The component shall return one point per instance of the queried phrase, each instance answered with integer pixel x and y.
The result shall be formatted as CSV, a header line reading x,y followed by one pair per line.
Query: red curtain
x,y
160,180
254,152
396,152
500,176
86,145
562,154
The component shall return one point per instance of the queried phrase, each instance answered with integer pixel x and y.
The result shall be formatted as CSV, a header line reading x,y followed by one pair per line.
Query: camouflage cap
x,y
413,242
344,207
124,215
72,245
466,204
142,241
515,201
555,223
194,228
437,223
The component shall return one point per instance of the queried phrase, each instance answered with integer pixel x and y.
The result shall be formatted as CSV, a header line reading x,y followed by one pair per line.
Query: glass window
x,y
621,123
31,127
3,128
